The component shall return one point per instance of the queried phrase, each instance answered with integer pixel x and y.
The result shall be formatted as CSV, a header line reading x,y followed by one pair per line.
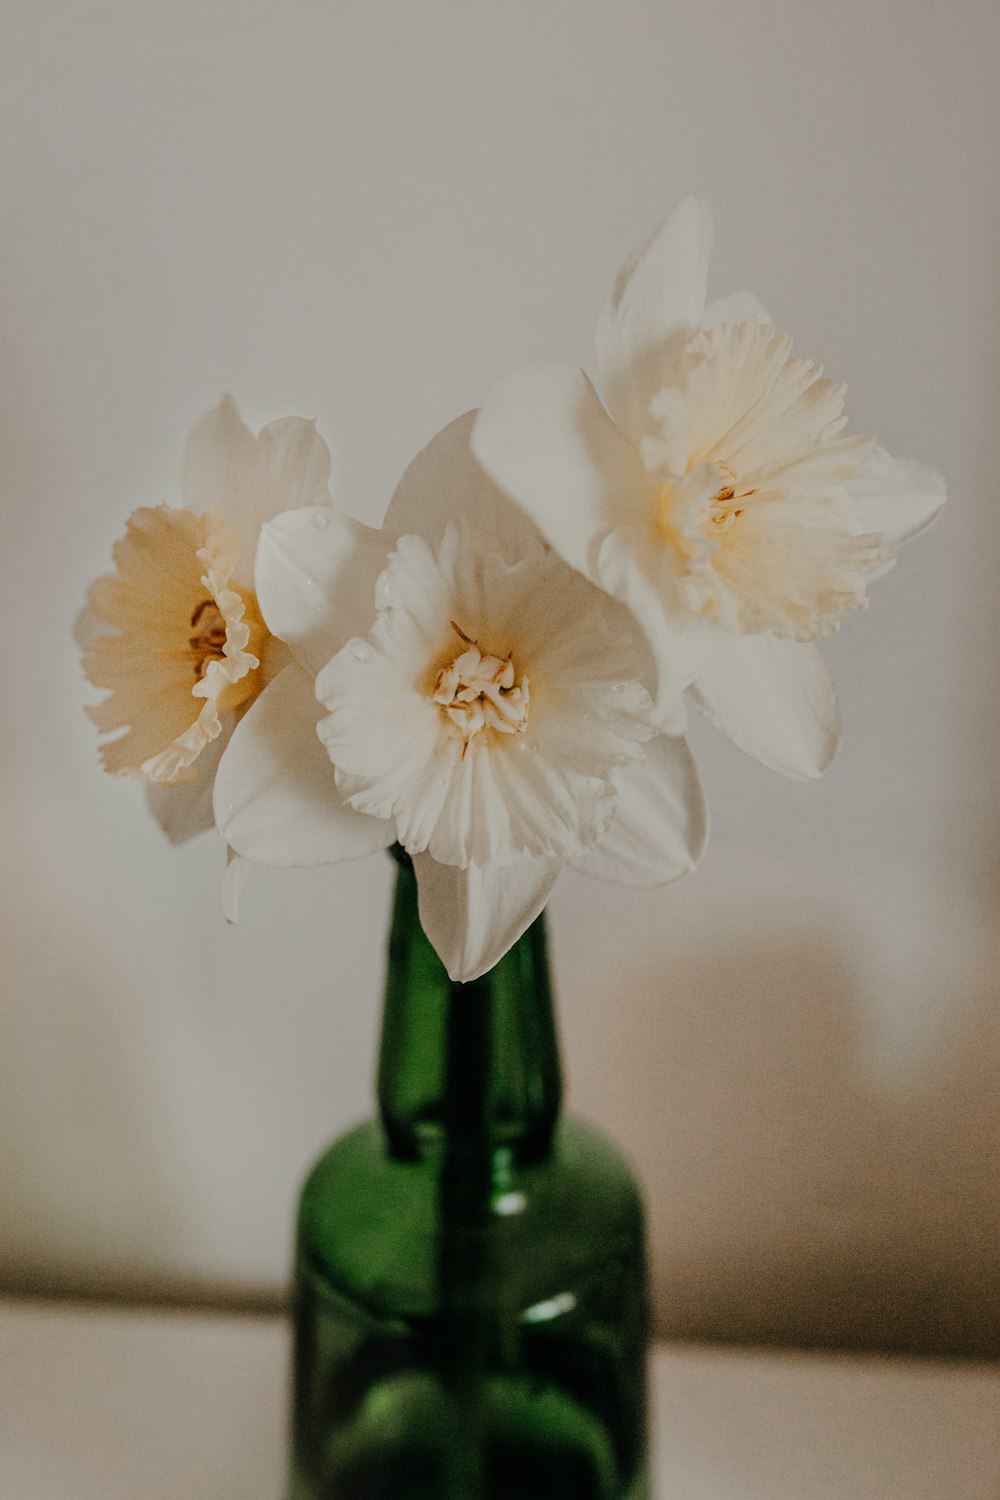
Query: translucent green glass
x,y
471,1302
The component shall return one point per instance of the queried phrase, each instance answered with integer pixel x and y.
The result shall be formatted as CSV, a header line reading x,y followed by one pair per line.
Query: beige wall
x,y
366,212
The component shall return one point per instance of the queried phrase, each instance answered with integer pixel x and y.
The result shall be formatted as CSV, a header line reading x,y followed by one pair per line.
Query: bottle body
x,y
470,1296
558,1309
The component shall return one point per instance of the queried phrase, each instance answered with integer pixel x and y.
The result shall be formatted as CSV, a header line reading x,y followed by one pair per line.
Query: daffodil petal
x,y
473,916
233,884
737,307
184,809
547,441
276,800
636,568
898,498
775,700
250,480
223,471
316,573
657,302
660,827
296,466
445,482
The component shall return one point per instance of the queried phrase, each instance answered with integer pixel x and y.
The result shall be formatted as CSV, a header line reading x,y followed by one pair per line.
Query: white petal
x,y
657,302
503,801
88,628
635,566
296,466
545,438
445,482
233,884
384,737
775,700
184,809
899,498
223,470
316,573
276,799
473,916
738,307
660,828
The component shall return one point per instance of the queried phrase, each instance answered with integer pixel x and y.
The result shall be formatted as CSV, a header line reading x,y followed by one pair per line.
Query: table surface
x,y
97,1404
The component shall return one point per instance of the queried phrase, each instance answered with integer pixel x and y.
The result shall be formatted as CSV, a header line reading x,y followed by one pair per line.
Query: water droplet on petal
x,y
306,582
230,807
321,520
619,687
383,592
441,781
361,651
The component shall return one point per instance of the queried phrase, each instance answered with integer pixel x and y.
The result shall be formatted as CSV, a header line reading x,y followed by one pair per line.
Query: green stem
x,y
466,1188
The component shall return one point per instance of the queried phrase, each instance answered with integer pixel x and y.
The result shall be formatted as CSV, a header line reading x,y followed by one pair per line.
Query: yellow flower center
x,y
208,639
727,505
480,691
683,519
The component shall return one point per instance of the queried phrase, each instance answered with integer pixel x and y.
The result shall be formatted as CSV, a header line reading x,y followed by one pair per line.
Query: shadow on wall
x,y
795,1197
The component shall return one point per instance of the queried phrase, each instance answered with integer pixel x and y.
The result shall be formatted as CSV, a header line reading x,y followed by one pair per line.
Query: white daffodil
x,y
479,701
175,634
715,495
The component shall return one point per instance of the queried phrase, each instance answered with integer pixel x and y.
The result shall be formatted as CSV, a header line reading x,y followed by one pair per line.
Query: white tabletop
x,y
103,1405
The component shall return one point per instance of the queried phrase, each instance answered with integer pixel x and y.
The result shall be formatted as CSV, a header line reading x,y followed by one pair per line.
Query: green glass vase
x,y
471,1313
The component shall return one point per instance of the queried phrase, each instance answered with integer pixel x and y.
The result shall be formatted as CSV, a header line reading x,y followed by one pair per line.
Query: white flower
x,y
181,650
175,634
479,701
716,496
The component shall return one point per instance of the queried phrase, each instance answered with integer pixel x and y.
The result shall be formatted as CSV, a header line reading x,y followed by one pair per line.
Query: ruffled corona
x,y
176,642
448,743
748,480
713,493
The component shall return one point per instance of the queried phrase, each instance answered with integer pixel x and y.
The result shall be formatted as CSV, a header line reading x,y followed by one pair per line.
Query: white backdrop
x,y
366,212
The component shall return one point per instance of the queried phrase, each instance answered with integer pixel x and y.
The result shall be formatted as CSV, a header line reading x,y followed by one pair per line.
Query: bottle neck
x,y
466,1066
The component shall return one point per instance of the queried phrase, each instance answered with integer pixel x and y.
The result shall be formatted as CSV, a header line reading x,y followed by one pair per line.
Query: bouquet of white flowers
x,y
498,679
496,682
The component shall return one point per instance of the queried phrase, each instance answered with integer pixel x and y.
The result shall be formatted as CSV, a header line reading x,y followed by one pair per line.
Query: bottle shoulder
x,y
370,1223
582,1161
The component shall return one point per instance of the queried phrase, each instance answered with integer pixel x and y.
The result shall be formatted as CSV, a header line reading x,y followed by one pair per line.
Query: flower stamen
x,y
688,513
208,643
480,690
724,507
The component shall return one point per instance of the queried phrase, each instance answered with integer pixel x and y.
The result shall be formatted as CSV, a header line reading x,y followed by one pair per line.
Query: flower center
x,y
480,691
726,504
207,641
684,511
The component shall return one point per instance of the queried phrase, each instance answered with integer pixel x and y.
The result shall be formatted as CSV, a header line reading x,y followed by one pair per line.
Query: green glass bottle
x,y
471,1299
